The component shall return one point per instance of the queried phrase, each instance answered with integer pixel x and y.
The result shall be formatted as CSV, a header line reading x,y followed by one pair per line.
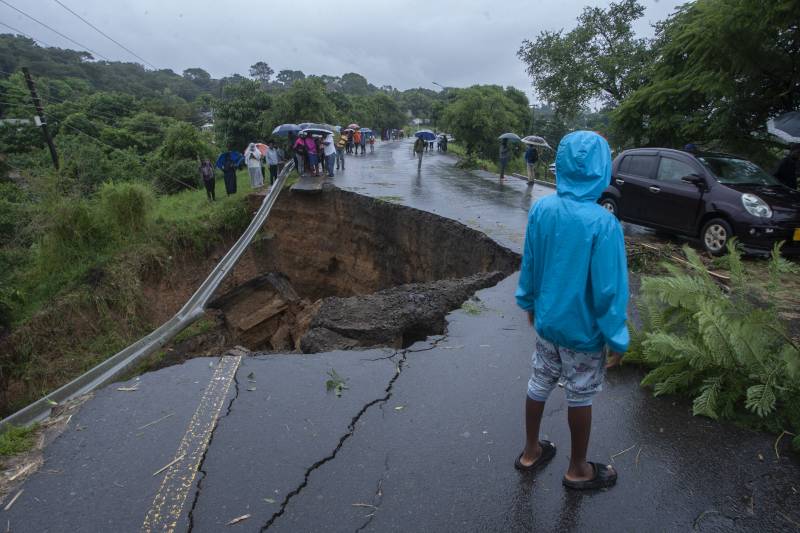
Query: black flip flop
x,y
603,478
548,452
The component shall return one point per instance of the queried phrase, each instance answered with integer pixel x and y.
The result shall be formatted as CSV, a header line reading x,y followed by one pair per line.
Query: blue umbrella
x,y
426,135
236,157
284,129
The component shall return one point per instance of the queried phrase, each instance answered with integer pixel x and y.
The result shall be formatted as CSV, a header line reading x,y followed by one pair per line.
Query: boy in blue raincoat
x,y
574,285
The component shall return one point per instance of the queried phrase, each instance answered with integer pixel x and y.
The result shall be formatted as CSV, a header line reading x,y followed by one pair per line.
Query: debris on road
x,y
177,459
14,499
238,519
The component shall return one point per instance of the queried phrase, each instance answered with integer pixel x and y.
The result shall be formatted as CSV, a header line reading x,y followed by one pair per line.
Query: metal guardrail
x,y
124,360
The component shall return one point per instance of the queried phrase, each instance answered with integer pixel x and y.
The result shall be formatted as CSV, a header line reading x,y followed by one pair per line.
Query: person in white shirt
x,y
330,153
252,157
273,158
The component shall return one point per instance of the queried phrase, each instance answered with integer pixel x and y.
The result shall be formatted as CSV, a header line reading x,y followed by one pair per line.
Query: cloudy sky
x,y
403,43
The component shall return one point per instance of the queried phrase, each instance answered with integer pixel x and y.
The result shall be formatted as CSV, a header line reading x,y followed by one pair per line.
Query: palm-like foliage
x,y
721,345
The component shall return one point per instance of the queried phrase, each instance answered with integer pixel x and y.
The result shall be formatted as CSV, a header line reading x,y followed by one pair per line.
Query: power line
x,y
54,30
15,30
98,30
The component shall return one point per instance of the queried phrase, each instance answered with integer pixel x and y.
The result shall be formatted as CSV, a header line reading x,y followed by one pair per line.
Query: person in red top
x,y
311,150
357,141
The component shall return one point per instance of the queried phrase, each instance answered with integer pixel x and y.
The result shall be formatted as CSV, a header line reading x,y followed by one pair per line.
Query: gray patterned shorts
x,y
581,372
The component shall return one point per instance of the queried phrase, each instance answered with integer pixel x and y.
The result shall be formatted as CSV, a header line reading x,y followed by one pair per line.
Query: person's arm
x,y
526,290
609,282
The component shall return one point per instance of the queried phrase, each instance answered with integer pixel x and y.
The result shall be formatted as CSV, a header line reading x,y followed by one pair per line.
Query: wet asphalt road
x,y
421,439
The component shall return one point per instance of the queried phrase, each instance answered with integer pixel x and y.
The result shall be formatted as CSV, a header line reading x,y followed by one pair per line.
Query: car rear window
x,y
638,165
735,171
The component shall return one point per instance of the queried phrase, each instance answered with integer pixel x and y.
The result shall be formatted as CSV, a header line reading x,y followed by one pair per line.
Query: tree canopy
x,y
721,72
600,59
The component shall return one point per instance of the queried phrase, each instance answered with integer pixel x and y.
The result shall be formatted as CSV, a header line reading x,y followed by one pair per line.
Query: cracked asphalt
x,y
421,439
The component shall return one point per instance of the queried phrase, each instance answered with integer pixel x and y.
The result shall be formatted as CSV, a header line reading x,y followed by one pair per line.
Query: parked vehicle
x,y
711,196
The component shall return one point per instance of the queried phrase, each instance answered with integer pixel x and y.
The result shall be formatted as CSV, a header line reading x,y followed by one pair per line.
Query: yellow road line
x,y
179,478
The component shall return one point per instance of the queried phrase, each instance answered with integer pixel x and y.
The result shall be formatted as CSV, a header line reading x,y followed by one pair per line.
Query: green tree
x,y
354,84
305,101
239,113
479,114
286,78
724,68
261,72
601,58
183,141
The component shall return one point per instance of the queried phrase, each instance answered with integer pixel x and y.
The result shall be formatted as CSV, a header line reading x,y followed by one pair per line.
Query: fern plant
x,y
720,344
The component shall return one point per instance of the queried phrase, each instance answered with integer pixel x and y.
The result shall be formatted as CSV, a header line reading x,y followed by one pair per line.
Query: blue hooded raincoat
x,y
574,274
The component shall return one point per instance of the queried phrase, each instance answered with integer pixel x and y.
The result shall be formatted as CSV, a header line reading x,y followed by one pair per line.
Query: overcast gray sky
x,y
405,43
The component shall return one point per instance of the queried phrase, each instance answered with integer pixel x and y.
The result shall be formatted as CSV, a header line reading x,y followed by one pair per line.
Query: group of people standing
x,y
258,157
355,139
318,153
314,154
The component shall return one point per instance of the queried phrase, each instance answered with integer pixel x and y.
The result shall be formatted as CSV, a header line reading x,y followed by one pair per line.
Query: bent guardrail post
x,y
124,360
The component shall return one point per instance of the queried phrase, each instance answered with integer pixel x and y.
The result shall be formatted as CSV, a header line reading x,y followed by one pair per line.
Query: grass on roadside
x,y
15,440
515,165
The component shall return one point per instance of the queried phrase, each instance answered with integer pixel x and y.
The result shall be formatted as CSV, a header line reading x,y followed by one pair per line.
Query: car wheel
x,y
715,236
609,205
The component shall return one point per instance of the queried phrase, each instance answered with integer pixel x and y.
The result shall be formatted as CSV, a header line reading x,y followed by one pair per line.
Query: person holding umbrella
x,y
252,157
300,151
419,150
505,153
330,153
357,140
229,174
341,144
531,157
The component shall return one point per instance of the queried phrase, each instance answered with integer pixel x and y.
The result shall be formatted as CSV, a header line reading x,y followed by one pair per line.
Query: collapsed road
x,y
416,434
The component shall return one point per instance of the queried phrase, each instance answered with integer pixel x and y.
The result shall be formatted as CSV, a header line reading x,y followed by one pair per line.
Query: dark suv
x,y
706,195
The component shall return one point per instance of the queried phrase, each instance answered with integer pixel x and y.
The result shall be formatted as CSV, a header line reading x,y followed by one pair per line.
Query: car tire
x,y
610,205
715,236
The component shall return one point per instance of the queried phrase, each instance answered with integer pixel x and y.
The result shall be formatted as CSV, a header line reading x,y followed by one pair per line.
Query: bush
x,y
721,346
126,206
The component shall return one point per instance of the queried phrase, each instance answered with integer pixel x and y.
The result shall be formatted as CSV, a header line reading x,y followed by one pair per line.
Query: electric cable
x,y
54,30
15,30
101,32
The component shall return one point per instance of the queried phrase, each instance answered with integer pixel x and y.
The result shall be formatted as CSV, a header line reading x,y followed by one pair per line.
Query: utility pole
x,y
40,120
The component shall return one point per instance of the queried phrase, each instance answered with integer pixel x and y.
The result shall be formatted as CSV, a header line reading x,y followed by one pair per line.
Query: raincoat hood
x,y
583,166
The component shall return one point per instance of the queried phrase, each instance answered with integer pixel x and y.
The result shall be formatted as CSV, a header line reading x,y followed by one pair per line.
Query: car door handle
x,y
655,189
620,182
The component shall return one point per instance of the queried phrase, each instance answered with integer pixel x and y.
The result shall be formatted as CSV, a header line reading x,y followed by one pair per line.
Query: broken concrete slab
x,y
394,317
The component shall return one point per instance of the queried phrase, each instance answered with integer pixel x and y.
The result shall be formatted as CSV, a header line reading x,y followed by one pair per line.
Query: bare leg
x,y
580,427
533,419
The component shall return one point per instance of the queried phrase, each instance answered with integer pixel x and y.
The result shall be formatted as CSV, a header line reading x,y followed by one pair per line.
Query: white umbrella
x,y
535,140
